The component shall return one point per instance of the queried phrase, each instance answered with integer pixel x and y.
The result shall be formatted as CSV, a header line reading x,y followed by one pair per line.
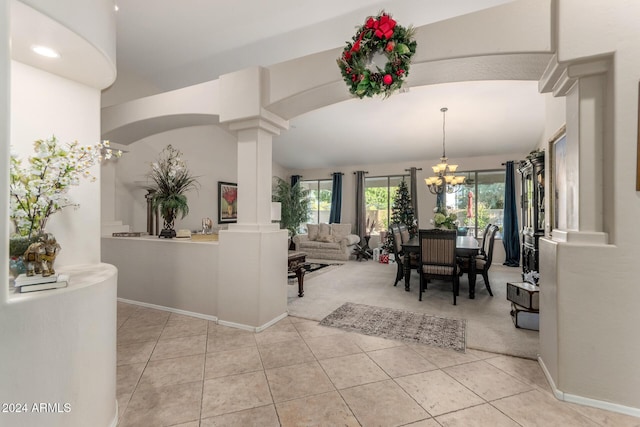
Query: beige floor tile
x,y
486,380
442,357
179,347
235,393
183,329
148,316
127,377
382,404
424,423
320,410
125,310
120,321
526,370
332,346
438,393
138,352
189,424
128,334
232,362
352,370
176,318
477,416
482,355
293,382
163,406
294,319
264,416
536,408
371,343
606,418
400,361
285,354
229,340
177,370
311,329
279,332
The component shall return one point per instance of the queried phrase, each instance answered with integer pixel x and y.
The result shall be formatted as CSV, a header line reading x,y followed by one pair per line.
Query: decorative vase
x,y
168,231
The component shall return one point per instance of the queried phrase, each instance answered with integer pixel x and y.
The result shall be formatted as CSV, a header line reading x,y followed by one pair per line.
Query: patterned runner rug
x,y
399,325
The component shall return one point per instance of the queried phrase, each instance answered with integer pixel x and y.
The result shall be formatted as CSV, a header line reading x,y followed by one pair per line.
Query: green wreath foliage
x,y
379,34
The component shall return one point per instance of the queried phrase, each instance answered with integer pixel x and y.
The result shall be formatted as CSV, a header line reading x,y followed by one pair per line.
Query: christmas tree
x,y
402,213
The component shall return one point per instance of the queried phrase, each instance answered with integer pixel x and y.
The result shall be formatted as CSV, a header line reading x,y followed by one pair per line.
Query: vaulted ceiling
x,y
168,45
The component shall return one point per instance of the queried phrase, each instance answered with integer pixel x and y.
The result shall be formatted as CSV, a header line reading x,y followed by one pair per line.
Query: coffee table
x,y
296,263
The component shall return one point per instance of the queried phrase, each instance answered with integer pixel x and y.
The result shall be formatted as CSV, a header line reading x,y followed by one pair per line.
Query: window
x,y
380,192
480,201
320,196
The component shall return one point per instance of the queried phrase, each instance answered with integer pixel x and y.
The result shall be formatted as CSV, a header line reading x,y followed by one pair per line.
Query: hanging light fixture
x,y
445,179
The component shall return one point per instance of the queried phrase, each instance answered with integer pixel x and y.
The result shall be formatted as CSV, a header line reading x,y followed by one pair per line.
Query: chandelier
x,y
445,179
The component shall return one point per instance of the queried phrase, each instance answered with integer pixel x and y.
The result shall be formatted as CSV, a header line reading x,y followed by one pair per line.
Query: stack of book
x,y
24,283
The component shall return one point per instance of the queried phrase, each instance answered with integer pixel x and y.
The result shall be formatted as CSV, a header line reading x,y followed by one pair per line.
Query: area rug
x,y
399,325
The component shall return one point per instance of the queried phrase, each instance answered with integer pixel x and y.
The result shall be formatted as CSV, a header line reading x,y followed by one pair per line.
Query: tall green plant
x,y
294,204
172,179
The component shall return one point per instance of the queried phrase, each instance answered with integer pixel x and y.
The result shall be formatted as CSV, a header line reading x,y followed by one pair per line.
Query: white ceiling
x,y
176,44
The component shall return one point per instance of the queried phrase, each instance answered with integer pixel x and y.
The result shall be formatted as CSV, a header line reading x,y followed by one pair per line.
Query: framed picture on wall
x,y
557,188
227,202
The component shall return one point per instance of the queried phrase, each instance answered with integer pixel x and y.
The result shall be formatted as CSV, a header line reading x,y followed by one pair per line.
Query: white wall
x,y
211,155
591,345
42,105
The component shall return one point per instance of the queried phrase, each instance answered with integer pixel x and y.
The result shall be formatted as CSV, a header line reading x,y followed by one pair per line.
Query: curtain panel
x,y
336,198
511,232
361,208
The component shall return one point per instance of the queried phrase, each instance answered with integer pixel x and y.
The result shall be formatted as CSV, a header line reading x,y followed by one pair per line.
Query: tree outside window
x,y
320,197
380,192
480,201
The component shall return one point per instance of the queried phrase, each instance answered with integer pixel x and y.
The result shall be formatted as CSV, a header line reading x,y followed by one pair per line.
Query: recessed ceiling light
x,y
45,51
116,8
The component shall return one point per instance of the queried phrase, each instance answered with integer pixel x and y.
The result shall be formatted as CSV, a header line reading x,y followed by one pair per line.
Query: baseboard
x,y
170,309
586,401
252,328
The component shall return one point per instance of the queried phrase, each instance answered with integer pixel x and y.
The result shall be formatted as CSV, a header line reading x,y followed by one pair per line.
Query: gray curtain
x,y
510,230
361,208
336,198
414,192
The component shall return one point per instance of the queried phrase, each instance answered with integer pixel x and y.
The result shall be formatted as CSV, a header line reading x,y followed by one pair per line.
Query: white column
x,y
252,273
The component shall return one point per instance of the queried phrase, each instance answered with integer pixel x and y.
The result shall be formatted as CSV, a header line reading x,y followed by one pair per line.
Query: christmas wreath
x,y
378,35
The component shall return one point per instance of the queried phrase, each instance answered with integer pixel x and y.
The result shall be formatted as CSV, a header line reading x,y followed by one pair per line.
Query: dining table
x,y
466,247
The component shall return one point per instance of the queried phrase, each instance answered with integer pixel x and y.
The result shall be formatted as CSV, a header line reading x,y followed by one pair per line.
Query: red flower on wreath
x,y
230,195
387,79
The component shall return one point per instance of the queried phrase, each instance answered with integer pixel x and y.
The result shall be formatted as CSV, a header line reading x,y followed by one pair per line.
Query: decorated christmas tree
x,y
402,213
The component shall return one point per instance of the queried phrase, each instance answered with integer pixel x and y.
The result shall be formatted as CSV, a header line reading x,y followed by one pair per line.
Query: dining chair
x,y
485,243
396,232
438,258
483,264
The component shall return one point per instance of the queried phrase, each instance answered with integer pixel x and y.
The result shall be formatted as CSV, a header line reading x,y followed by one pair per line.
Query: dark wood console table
x,y
296,264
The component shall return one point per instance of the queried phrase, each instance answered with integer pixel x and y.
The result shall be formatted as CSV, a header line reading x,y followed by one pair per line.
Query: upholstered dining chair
x,y
438,258
485,243
483,264
396,231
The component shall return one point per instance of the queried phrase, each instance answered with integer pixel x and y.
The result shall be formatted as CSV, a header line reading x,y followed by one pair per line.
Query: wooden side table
x,y
296,263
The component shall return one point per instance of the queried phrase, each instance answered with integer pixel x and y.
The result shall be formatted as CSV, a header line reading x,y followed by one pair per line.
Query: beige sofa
x,y
327,241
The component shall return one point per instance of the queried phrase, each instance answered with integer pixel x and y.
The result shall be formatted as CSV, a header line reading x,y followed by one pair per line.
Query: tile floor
x,y
176,370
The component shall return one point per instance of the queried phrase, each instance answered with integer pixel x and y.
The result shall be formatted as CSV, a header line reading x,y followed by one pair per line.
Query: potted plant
x,y
40,189
172,179
294,204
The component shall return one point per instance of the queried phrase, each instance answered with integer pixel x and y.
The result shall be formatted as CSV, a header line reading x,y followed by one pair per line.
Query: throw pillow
x,y
340,231
312,231
324,233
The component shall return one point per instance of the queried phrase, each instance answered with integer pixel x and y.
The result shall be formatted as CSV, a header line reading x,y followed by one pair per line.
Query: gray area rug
x,y
399,325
